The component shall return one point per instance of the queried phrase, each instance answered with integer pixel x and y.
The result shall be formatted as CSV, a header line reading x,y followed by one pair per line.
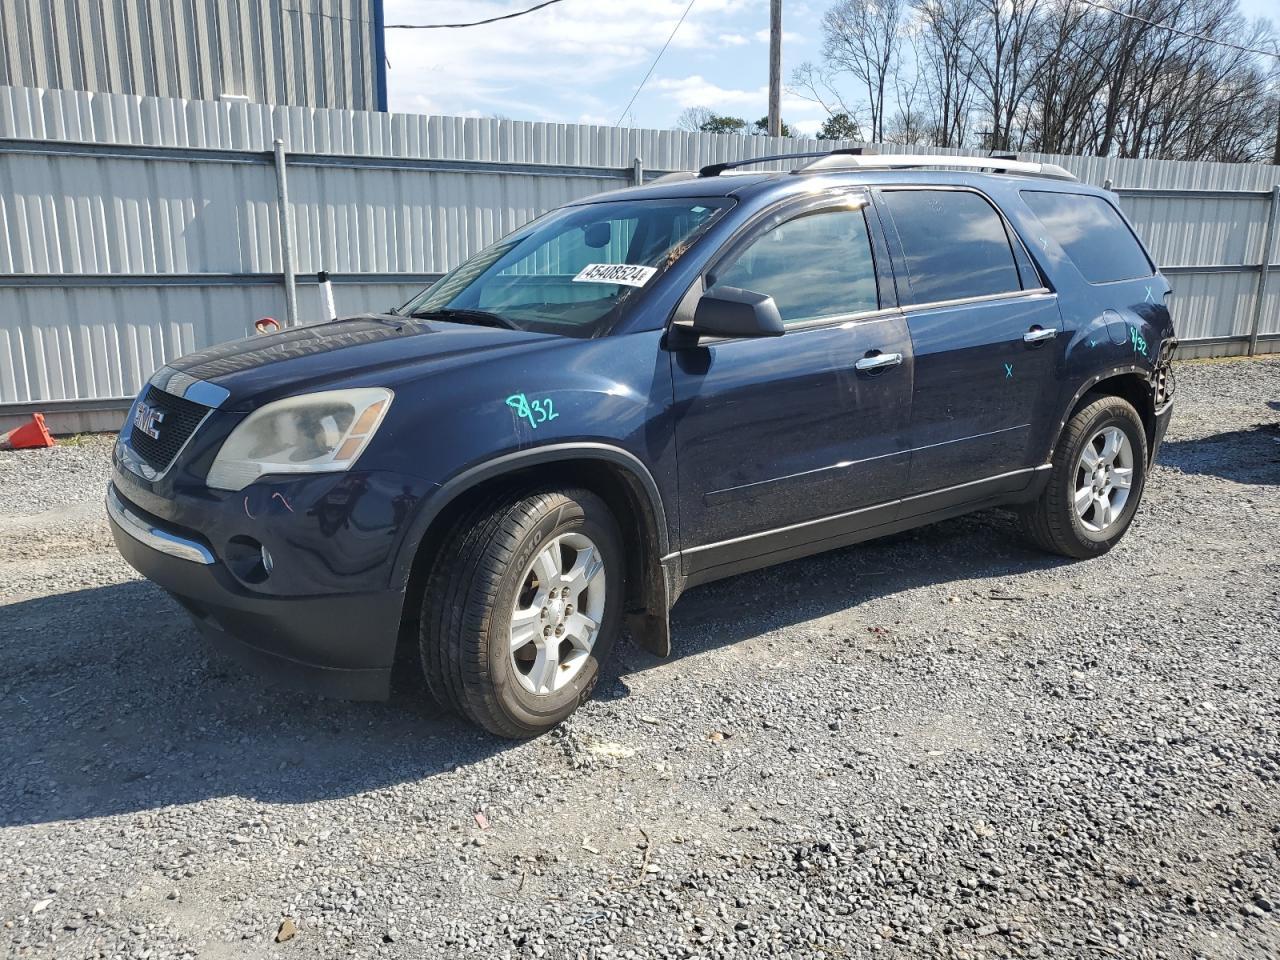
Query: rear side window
x,y
955,245
1089,229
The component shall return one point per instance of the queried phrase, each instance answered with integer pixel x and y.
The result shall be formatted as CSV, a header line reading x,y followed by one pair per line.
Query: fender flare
x,y
1088,385
655,623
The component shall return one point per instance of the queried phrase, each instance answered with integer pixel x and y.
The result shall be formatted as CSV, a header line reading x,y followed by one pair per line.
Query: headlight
x,y
312,433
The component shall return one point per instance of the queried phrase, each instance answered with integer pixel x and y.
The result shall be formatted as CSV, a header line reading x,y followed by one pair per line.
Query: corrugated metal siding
x,y
158,121
201,230
400,221
107,215
60,343
1200,230
317,53
1215,305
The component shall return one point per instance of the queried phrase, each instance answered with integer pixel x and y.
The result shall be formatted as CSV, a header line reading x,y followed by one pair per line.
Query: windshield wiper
x,y
460,315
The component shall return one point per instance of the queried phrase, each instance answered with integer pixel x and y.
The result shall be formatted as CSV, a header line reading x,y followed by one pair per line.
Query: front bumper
x,y
338,645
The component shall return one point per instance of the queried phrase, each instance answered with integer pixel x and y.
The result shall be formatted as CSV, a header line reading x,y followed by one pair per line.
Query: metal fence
x,y
319,53
134,229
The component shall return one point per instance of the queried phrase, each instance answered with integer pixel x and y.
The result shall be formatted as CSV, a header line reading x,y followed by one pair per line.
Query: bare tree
x,y
821,86
1149,78
1004,52
862,38
693,118
910,119
946,66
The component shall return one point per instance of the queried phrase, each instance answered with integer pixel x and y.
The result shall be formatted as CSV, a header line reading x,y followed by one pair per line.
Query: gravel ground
x,y
942,744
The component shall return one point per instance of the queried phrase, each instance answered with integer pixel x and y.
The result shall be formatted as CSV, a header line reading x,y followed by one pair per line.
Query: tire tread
x,y
1046,522
460,602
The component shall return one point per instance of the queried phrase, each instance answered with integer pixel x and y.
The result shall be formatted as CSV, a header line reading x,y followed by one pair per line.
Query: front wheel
x,y
1095,484
522,607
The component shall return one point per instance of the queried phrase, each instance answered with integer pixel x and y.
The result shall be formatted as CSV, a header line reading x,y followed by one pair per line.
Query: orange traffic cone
x,y
28,436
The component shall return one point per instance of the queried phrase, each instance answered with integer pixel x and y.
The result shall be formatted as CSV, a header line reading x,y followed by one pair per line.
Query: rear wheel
x,y
1095,484
523,606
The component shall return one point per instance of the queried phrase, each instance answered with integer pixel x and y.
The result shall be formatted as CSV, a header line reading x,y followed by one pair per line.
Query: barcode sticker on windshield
x,y
623,273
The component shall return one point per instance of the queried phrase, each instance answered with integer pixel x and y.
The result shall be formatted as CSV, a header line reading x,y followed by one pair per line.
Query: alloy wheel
x,y
557,613
1104,477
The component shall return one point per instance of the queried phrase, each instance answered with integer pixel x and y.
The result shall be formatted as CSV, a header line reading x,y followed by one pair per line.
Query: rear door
x,y
780,439
985,334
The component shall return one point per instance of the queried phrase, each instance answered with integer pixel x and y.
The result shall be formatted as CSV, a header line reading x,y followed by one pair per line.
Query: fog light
x,y
248,559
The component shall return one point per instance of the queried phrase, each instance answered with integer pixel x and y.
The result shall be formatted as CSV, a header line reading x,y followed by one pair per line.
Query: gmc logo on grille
x,y
148,419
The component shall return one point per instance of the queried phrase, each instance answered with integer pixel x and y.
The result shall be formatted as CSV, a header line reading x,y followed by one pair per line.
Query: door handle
x,y
880,361
1039,334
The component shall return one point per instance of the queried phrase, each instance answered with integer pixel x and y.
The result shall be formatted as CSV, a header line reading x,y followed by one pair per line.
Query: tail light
x,y
1164,379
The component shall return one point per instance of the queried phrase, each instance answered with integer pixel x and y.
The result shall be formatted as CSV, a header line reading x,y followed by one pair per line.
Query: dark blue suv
x,y
643,391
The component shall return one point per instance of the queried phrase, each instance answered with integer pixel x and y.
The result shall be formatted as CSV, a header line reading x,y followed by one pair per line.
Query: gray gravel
x,y
943,744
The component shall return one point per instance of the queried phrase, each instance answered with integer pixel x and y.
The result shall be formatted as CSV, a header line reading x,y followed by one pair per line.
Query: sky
x,y
580,61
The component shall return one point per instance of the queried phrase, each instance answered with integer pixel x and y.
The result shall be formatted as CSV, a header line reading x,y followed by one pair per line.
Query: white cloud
x,y
559,50
582,59
697,91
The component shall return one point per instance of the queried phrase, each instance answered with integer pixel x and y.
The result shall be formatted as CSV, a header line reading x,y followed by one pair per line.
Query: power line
x,y
473,23
655,62
1181,33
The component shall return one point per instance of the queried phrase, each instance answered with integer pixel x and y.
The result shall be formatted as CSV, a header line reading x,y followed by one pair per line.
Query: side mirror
x,y
734,312
597,235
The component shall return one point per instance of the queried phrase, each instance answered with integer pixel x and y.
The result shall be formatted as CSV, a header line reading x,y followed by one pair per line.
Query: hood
x,y
369,348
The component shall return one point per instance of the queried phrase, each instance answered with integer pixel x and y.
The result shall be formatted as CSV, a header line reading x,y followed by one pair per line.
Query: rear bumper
x,y
339,645
1163,416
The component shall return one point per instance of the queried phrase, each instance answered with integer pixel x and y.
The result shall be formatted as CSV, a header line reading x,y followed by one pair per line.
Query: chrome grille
x,y
180,419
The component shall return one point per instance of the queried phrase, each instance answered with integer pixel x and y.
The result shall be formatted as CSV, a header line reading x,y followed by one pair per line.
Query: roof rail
x,y
997,164
865,158
715,169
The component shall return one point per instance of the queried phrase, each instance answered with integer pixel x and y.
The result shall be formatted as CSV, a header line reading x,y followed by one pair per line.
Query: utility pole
x,y
1276,158
775,68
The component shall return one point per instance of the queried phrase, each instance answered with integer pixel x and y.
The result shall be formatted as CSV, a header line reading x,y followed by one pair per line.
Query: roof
x,y
744,185
853,165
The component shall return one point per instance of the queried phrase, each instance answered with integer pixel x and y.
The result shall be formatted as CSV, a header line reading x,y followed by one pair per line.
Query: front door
x,y
785,440
985,336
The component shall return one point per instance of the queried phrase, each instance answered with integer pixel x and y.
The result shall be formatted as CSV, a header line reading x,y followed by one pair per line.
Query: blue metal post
x,y
380,54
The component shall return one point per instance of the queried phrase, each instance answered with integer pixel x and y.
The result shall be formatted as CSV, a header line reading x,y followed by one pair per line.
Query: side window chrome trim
x,y
818,323
846,319
1035,294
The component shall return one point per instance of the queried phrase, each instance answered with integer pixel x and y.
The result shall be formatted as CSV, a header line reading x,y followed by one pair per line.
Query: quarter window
x,y
816,266
954,243
1097,240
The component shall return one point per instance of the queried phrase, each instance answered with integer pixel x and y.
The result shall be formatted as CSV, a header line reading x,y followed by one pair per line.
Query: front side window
x,y
1097,240
815,266
574,271
954,243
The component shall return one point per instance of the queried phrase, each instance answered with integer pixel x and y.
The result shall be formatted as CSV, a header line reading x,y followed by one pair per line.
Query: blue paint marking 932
x,y
535,411
1139,342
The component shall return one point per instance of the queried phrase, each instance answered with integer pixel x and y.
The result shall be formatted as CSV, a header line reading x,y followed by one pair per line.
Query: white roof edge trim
x,y
675,177
872,161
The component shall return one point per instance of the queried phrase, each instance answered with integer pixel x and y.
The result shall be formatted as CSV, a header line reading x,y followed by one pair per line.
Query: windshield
x,y
573,271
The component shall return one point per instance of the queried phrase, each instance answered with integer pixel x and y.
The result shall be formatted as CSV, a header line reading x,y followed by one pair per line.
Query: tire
x,y
495,574
1053,522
